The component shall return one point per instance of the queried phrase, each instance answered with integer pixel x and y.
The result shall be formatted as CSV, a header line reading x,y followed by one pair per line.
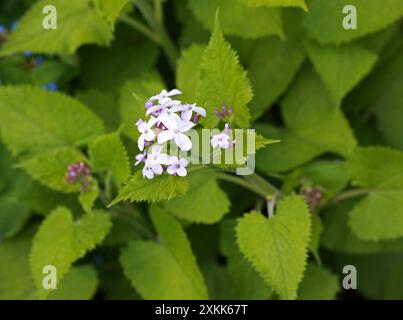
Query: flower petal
x,y
186,114
173,160
157,168
174,92
199,110
183,142
165,136
181,171
140,143
183,162
171,170
185,125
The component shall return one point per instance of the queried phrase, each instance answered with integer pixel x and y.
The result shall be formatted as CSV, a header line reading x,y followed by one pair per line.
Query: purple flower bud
x,y
227,129
313,197
196,118
149,104
79,172
148,143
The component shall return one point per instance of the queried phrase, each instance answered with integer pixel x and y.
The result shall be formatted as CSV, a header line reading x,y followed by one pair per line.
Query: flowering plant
x,y
271,170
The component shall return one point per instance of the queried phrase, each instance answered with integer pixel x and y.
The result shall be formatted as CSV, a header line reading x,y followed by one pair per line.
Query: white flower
x,y
153,164
147,133
166,103
167,116
175,130
177,166
187,109
164,95
221,139
156,156
141,157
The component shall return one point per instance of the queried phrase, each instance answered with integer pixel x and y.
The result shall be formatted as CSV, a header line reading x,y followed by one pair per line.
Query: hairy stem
x,y
349,194
141,28
242,182
157,32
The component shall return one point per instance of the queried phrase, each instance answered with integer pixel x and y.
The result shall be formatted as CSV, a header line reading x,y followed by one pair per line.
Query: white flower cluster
x,y
170,120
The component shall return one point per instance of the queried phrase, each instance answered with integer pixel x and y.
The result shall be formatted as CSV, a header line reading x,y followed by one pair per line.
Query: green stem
x,y
155,22
241,182
145,232
256,179
108,186
141,28
349,194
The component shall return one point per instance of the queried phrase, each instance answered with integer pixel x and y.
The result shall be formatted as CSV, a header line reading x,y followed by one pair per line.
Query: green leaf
x,y
276,3
104,104
315,126
331,175
16,282
204,203
278,247
380,93
379,276
237,19
108,154
273,63
89,195
309,113
49,120
223,81
50,168
80,283
324,21
318,284
133,96
337,235
248,283
291,152
164,187
341,67
188,71
13,215
126,59
111,9
165,269
379,216
15,211
60,241
316,233
78,22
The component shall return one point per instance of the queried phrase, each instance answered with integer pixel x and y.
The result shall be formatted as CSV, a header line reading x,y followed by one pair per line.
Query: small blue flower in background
x,y
13,26
27,53
51,86
98,259
39,60
2,29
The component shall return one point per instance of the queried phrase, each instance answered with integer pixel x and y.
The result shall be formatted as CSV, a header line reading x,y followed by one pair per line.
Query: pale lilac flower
x,y
167,116
153,163
147,133
156,156
226,112
164,95
166,103
149,104
187,110
177,167
141,157
221,139
175,130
